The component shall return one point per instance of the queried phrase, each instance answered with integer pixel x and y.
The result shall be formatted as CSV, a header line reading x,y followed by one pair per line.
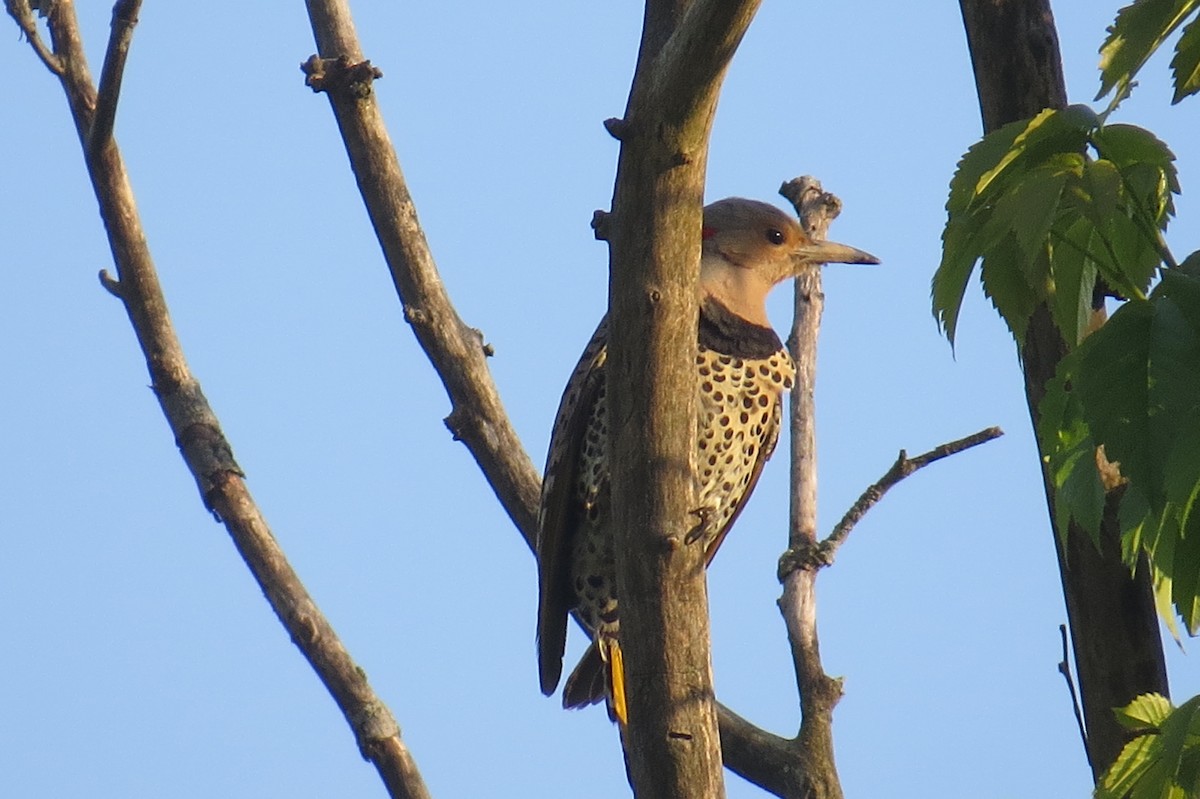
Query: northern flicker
x,y
742,369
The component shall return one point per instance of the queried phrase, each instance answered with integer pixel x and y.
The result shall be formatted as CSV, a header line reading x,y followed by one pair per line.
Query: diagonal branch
x,y
903,467
204,447
457,351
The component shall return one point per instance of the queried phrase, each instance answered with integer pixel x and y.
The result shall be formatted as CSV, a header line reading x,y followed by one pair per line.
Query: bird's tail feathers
x,y
600,674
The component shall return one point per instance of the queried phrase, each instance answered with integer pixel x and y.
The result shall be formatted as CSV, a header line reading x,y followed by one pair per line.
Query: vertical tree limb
x,y
672,742
819,693
203,445
1114,627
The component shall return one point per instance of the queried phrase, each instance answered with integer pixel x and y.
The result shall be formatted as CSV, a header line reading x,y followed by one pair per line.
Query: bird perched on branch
x,y
742,370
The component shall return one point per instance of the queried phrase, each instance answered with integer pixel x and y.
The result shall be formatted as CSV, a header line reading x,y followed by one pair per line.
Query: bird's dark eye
x,y
775,236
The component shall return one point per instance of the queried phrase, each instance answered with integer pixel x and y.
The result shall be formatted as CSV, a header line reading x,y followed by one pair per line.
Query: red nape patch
x,y
707,233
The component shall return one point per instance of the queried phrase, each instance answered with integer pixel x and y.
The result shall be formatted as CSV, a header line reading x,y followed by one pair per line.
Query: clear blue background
x,y
140,658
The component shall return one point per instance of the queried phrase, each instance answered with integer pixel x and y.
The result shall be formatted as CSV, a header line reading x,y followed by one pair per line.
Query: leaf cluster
x,y
1129,398
1050,206
1163,760
1062,211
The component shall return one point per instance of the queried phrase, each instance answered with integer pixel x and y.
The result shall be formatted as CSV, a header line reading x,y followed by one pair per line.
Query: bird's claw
x,y
703,516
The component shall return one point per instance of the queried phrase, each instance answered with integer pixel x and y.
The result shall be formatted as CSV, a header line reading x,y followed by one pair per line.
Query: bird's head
x,y
751,246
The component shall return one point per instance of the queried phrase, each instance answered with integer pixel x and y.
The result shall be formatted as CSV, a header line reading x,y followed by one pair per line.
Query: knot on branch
x,y
373,723
601,224
340,76
805,557
815,206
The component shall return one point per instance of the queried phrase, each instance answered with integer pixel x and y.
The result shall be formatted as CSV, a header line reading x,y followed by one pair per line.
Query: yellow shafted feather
x,y
616,676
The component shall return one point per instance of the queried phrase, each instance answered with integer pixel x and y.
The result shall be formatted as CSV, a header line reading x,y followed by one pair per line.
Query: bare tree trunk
x,y
1114,627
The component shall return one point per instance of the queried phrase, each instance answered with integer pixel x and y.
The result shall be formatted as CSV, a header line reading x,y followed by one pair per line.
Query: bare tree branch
x,y
21,11
819,692
903,467
124,19
198,433
1064,668
457,351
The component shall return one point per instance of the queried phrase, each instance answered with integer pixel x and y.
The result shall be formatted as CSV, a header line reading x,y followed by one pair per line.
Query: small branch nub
x,y
601,224
111,284
616,127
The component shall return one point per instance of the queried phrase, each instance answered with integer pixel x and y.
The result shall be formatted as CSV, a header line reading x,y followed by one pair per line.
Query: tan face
x,y
753,235
750,246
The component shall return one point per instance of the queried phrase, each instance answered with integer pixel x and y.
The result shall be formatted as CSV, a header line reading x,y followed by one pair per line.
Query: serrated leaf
x,y
1051,132
1174,734
1127,145
1162,763
1164,605
1112,384
1139,29
1127,770
1030,208
1185,66
1174,390
1185,575
1078,492
981,157
1147,711
1006,285
1080,495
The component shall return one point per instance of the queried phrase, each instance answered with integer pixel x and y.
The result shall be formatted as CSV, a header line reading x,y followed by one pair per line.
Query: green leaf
x,y
981,157
1050,132
1112,384
1005,195
1190,265
1146,164
1129,768
1185,575
1006,284
1139,29
1162,763
1078,492
1148,711
1186,64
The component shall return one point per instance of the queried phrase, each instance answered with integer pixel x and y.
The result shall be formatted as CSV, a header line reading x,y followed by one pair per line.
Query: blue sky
x,y
142,659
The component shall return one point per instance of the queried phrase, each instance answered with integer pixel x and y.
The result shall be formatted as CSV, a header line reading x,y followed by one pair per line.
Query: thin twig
x,y
124,19
903,467
1064,668
23,14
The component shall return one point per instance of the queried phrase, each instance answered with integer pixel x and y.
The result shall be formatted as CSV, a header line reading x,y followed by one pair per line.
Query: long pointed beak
x,y
830,252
